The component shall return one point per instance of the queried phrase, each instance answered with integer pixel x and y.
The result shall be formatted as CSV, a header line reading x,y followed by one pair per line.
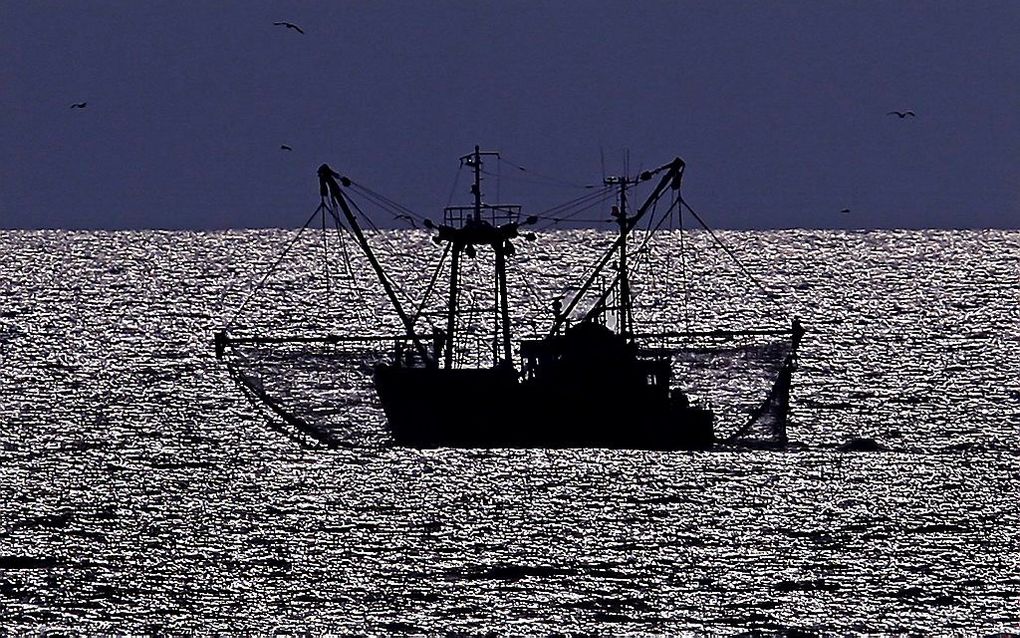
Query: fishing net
x,y
323,393
744,380
316,393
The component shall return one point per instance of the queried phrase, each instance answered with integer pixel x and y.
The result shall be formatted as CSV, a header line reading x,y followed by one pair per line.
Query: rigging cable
x,y
432,284
727,249
391,206
385,202
465,321
582,199
683,266
638,261
397,288
348,264
325,265
605,192
456,179
555,180
388,242
531,180
583,203
530,286
262,281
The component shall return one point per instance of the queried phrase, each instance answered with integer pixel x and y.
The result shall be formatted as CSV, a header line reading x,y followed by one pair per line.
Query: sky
x,y
778,108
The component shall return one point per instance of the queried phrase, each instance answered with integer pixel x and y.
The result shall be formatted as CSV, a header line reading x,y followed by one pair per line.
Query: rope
x,y
726,248
466,310
360,309
325,265
262,281
351,272
604,192
638,261
258,400
389,245
655,207
683,268
385,202
527,282
432,284
585,203
555,180
541,181
453,189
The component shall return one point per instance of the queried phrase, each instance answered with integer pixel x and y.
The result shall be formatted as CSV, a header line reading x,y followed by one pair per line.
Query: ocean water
x,y
140,492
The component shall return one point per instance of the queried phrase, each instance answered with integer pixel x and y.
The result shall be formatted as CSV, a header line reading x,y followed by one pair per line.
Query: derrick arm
x,y
674,171
328,186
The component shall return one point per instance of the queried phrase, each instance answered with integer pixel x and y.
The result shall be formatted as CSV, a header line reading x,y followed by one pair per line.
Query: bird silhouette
x,y
284,147
902,114
408,218
79,105
289,25
845,210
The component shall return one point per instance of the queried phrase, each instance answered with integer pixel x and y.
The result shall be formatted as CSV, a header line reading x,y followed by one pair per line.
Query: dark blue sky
x,y
779,108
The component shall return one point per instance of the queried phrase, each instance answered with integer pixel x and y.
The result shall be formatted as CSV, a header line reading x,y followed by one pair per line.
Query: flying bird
x,y
79,105
289,25
845,210
902,114
284,147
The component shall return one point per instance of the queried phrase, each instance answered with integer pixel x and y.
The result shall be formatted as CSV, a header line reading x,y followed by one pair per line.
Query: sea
x,y
142,492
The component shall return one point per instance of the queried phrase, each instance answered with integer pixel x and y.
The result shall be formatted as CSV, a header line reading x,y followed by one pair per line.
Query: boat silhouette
x,y
589,381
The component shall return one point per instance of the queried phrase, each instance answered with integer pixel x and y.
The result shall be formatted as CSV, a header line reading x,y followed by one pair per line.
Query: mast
x,y
624,323
500,320
503,303
476,188
451,314
465,227
624,311
475,160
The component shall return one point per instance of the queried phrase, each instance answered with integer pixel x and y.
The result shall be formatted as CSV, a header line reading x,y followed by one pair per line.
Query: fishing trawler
x,y
589,381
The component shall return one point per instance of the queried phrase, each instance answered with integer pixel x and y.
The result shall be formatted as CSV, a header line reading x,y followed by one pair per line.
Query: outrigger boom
x,y
328,187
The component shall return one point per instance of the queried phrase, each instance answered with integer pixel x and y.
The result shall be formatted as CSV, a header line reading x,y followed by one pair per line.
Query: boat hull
x,y
492,408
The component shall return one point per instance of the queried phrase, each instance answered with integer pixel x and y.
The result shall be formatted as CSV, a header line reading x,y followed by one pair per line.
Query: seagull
x,y
289,25
902,114
408,218
284,147
79,105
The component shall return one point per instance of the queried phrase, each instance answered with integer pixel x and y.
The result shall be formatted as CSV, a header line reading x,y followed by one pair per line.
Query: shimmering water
x,y
140,492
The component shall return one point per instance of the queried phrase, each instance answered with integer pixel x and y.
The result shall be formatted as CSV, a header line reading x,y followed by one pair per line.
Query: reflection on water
x,y
141,492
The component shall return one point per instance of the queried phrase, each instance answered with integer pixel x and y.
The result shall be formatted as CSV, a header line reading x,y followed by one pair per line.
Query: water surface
x,y
141,492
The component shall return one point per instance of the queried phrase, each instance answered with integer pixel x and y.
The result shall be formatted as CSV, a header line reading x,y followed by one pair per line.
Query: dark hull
x,y
490,408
